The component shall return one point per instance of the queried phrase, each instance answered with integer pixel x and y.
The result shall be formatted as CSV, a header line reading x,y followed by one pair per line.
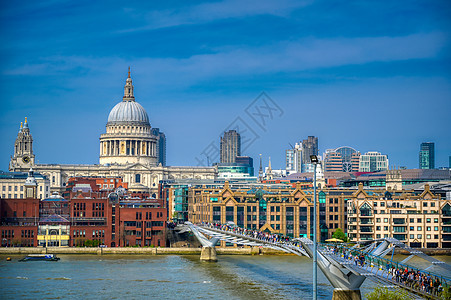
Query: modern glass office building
x,y
427,156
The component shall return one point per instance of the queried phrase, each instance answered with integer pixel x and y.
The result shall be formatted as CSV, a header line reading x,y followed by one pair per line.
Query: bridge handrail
x,y
292,245
372,258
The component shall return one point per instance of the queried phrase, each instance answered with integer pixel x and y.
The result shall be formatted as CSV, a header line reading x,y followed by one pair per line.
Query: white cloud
x,y
285,56
207,12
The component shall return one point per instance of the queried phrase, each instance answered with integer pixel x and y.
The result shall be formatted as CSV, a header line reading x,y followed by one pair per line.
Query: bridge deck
x,y
378,274
373,270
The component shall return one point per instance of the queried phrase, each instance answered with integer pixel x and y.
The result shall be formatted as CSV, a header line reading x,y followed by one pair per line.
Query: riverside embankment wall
x,y
137,251
168,251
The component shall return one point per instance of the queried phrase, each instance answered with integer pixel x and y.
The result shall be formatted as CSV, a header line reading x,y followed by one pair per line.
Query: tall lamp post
x,y
314,160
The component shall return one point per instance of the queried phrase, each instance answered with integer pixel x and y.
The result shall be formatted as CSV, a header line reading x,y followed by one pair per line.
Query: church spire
x,y
128,89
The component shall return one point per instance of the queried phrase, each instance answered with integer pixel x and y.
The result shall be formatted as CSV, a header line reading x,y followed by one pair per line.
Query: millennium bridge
x,y
345,267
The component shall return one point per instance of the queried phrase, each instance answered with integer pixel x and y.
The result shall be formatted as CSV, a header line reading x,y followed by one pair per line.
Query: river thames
x,y
164,277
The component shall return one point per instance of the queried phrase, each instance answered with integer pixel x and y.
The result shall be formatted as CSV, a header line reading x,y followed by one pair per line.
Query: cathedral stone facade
x,y
130,148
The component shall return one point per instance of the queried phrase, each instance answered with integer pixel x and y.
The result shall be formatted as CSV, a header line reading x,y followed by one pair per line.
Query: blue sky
x,y
374,75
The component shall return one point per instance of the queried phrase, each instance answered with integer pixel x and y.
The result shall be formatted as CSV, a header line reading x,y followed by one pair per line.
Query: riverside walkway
x,y
345,267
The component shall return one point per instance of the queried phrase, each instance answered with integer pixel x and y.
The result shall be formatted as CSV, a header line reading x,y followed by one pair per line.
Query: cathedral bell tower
x,y
23,150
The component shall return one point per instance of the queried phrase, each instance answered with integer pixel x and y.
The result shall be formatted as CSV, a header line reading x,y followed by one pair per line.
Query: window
x,y
336,209
378,220
428,228
425,204
412,228
435,227
428,236
385,220
331,209
138,178
435,220
419,220
436,236
412,220
385,228
277,218
432,204
374,204
419,236
428,220
278,209
412,236
378,228
419,228
382,204
272,208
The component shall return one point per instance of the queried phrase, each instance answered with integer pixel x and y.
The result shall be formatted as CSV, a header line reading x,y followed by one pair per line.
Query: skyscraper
x,y
427,156
293,159
161,145
309,147
230,146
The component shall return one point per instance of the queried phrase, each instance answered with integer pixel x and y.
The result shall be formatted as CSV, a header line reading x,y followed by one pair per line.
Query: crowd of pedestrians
x,y
413,279
255,234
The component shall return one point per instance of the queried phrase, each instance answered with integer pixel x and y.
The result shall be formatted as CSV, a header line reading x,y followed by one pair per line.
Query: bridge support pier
x,y
208,254
342,294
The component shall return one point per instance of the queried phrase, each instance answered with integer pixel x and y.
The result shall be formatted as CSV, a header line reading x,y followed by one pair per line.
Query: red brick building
x,y
19,222
90,219
98,220
141,222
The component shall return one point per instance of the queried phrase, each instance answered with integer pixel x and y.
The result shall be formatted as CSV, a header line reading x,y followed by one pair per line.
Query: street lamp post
x,y
314,160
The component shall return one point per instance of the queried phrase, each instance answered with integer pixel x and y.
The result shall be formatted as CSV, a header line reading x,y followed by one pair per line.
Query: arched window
x,y
365,210
322,197
138,178
446,210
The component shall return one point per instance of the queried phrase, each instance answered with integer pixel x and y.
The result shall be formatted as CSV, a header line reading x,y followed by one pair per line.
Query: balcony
x,y
366,221
398,221
366,229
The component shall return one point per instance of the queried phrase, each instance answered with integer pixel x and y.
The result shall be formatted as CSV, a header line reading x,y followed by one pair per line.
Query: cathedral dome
x,y
128,112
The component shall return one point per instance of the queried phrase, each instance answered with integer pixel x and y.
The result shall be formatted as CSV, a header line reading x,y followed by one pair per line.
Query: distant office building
x,y
427,156
373,161
243,167
293,159
342,159
230,146
309,147
161,145
247,160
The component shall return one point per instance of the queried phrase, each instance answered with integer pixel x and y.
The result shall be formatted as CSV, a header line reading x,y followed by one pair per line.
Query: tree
x,y
446,293
339,234
383,293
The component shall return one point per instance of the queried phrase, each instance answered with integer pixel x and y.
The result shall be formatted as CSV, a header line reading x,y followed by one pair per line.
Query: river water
x,y
164,277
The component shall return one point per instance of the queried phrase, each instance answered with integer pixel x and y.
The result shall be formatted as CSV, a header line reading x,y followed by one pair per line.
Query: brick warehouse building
x,y
275,208
19,222
116,221
87,217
